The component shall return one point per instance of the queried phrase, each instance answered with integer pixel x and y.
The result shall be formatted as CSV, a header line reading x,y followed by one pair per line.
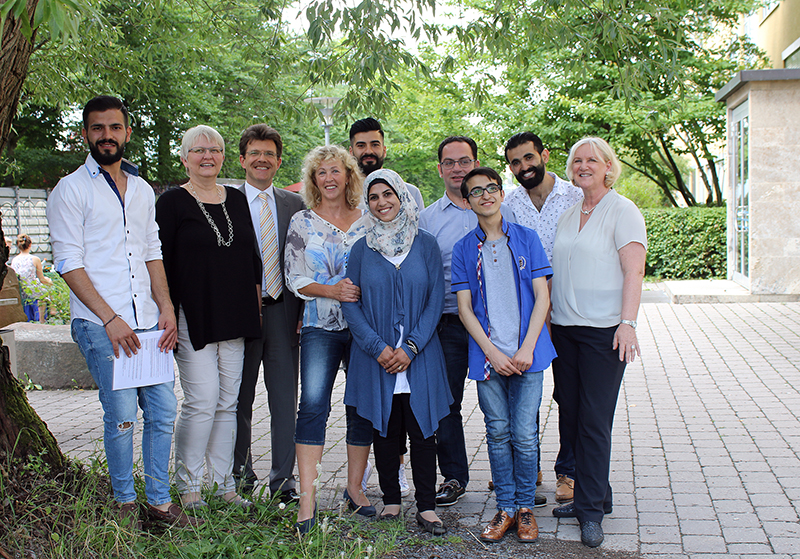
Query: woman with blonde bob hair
x,y
318,245
598,266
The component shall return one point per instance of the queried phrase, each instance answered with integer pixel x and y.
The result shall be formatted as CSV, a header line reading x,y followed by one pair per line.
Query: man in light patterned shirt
x,y
543,196
538,205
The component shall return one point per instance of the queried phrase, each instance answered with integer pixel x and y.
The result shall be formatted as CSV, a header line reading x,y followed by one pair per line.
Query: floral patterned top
x,y
317,252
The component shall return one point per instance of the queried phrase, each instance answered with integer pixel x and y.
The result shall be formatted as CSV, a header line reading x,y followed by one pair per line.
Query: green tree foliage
x,y
640,74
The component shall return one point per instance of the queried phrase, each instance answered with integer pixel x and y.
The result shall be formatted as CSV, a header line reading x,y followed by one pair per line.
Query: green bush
x,y
686,243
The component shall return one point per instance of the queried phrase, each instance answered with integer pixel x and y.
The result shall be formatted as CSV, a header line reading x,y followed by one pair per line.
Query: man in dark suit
x,y
271,209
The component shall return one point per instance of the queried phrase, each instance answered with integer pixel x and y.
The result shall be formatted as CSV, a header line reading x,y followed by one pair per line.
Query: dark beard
x,y
106,158
369,168
535,180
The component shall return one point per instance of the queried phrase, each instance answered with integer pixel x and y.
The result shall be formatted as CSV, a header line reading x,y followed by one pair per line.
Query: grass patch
x,y
71,514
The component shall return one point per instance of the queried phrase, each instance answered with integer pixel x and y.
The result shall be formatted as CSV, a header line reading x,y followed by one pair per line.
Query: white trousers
x,y
205,432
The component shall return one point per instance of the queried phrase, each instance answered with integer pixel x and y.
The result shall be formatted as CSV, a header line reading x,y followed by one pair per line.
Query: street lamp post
x,y
325,106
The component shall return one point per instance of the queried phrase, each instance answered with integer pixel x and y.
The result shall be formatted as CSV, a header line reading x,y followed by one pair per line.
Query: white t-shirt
x,y
587,274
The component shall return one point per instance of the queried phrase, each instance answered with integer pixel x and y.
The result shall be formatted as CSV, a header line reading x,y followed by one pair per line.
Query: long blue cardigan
x,y
412,295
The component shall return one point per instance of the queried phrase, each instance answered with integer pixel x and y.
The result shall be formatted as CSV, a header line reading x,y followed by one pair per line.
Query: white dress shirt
x,y
254,202
90,229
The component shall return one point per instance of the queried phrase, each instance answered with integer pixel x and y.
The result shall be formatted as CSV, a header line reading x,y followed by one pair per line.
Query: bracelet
x,y
110,320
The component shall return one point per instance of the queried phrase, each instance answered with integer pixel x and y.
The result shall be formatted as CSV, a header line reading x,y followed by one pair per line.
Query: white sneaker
x,y
405,490
367,475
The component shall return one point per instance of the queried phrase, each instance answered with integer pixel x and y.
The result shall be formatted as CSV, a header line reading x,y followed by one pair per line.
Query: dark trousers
x,y
451,449
278,351
588,375
423,456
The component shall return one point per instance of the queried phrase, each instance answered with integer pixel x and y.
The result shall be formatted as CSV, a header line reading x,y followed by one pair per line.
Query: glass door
x,y
740,118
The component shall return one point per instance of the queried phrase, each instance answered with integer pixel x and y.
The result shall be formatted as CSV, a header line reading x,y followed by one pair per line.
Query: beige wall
x,y
779,30
774,108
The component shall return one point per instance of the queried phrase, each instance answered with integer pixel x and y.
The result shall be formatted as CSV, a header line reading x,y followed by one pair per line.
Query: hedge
x,y
686,243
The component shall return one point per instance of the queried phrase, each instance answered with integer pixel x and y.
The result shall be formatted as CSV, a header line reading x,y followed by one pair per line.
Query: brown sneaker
x,y
539,479
565,489
527,529
128,515
498,527
173,515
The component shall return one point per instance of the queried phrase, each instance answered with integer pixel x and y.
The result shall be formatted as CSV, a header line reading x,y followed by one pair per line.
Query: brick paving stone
x,y
704,544
700,527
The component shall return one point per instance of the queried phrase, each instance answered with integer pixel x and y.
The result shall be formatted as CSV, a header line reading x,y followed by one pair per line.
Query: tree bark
x,y
15,55
22,431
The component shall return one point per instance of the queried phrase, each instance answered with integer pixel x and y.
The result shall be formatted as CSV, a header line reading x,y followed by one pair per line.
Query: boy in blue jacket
x,y
499,275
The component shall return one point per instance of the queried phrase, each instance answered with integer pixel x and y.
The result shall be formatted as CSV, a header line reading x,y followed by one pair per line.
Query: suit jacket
x,y
287,204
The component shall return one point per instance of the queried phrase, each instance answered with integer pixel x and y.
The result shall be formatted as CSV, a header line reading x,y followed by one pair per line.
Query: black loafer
x,y
591,533
287,496
367,510
539,500
435,528
449,492
568,511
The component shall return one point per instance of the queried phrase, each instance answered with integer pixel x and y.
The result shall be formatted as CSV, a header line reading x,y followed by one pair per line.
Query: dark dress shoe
x,y
497,527
287,496
173,515
591,533
435,528
449,492
303,527
367,510
568,511
539,500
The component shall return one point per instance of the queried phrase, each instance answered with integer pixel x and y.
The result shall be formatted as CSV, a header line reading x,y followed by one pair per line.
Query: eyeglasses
x,y
202,151
491,188
266,154
464,163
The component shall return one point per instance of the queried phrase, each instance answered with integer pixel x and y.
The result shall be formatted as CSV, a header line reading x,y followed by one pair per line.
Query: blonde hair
x,y
192,134
604,150
355,178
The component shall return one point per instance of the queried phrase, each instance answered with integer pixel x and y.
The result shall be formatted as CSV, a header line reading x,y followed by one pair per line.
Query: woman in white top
x,y
318,245
31,277
598,266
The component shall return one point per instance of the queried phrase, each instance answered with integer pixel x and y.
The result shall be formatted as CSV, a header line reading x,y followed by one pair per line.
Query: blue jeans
x,y
321,352
510,406
451,449
158,405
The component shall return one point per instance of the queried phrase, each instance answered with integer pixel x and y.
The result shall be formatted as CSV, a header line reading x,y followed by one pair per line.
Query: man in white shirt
x,y
271,210
538,205
106,247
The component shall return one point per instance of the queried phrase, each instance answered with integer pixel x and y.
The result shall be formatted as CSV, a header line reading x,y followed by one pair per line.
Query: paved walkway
x,y
706,453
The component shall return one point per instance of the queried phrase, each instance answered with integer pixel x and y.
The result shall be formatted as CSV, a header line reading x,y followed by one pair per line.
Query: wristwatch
x,y
412,346
631,323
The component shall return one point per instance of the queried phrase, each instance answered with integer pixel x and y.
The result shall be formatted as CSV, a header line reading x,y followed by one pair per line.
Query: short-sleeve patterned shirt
x,y
563,196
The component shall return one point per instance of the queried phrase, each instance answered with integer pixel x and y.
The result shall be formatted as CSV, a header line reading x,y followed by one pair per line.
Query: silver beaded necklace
x,y
220,240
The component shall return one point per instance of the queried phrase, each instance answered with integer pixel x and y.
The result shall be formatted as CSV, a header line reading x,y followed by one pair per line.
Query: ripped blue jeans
x,y
158,405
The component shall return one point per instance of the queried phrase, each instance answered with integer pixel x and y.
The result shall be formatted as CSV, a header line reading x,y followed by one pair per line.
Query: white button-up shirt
x,y
90,229
563,196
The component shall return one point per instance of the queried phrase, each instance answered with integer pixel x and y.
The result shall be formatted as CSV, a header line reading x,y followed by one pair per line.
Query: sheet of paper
x,y
149,366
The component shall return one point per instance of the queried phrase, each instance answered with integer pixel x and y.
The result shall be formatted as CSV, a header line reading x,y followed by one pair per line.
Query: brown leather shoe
x,y
527,529
565,489
498,527
128,515
539,479
173,515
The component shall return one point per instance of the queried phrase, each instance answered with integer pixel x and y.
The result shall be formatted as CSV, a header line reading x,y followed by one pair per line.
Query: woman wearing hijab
x,y
397,376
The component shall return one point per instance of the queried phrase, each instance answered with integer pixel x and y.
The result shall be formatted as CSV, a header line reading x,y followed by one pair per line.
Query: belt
x,y
448,318
267,301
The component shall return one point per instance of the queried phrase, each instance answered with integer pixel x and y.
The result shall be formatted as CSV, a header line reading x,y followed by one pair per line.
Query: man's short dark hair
x,y
452,139
365,125
524,138
260,133
486,172
103,103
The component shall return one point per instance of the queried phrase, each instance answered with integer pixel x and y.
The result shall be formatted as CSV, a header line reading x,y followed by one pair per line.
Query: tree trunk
x,y
14,58
22,431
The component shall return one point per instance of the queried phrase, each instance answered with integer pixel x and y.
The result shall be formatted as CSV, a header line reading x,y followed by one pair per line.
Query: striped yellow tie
x,y
269,250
